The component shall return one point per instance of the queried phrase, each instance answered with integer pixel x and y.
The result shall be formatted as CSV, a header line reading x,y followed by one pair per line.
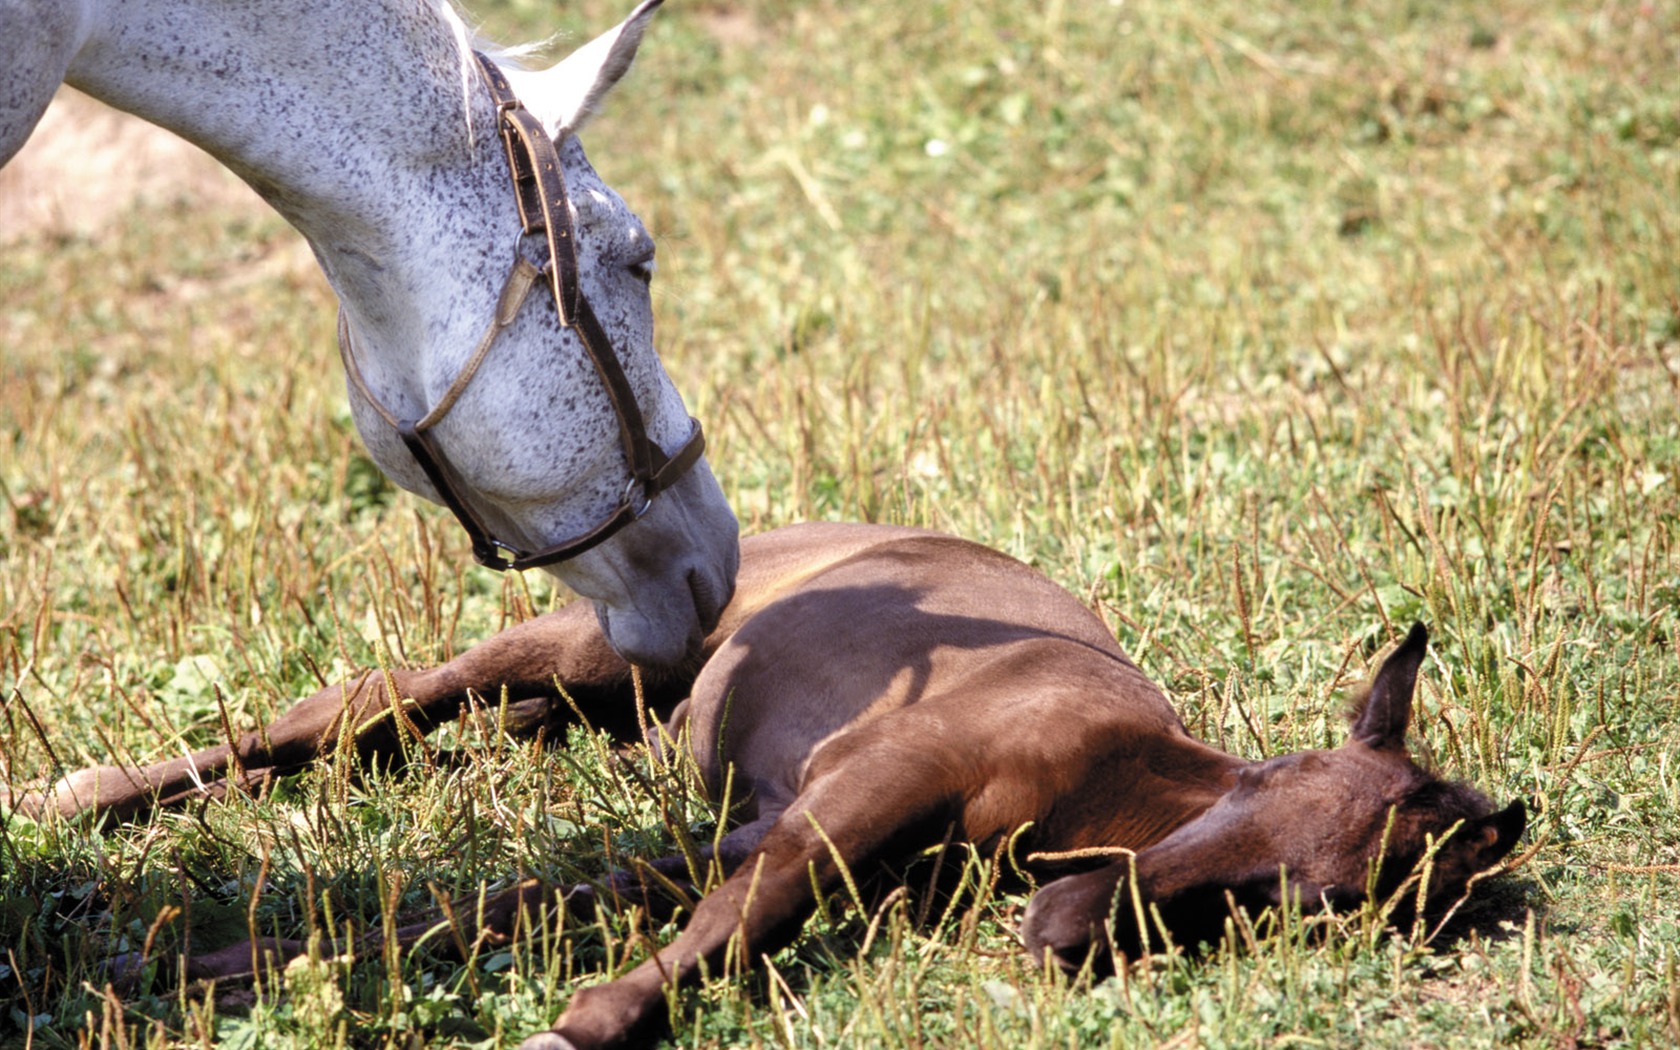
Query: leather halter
x,y
540,188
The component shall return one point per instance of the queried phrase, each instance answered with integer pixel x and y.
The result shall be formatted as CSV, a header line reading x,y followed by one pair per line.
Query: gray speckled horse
x,y
369,125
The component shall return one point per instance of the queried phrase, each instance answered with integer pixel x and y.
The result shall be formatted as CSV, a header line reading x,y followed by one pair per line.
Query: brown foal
x,y
875,691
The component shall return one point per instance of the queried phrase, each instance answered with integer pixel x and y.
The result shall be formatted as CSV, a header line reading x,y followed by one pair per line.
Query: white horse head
x,y
368,125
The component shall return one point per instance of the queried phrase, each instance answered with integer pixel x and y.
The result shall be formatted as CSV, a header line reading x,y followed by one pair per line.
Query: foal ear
x,y
1484,842
1381,723
1500,831
566,96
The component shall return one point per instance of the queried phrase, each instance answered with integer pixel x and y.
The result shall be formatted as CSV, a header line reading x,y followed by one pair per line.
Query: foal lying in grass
x,y
876,691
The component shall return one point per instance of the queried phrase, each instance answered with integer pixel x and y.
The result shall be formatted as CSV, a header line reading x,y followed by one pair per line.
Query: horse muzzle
x,y
660,585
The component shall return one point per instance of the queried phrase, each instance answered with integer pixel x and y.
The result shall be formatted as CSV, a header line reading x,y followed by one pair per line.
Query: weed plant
x,y
1265,328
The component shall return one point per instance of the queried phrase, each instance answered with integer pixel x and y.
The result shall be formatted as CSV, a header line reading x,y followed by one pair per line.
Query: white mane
x,y
569,93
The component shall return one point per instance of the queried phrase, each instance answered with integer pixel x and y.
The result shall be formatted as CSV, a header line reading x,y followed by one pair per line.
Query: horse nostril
x,y
707,608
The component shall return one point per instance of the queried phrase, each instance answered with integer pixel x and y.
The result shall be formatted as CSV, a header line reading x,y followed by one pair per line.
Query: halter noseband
x,y
540,189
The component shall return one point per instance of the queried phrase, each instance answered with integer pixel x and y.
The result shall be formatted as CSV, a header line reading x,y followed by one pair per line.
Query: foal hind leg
x,y
659,887
371,715
871,795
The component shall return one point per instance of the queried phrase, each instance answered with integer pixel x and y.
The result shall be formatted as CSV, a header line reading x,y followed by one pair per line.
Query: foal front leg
x,y
370,714
310,729
886,799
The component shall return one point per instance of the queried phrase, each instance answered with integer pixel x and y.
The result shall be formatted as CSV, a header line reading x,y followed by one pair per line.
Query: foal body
x,y
875,691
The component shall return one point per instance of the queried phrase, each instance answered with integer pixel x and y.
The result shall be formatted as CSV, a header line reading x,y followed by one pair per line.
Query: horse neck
x,y
346,124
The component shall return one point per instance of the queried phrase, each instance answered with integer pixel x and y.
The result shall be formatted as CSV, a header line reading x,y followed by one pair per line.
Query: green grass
x,y
1268,329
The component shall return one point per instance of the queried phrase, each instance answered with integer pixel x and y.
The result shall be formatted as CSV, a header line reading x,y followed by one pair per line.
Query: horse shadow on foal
x,y
878,695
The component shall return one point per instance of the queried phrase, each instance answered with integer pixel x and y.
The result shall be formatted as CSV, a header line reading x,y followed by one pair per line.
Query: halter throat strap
x,y
540,190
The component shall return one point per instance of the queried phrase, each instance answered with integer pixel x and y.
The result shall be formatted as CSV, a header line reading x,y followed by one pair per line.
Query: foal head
x,y
1328,829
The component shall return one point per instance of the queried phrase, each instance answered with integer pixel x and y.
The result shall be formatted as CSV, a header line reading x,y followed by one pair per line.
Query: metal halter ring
x,y
647,498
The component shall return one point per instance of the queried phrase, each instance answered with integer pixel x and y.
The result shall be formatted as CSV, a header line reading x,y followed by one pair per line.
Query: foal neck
x,y
1168,781
1188,777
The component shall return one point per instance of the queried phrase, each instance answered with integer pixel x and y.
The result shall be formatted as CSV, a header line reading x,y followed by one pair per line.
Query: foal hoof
x,y
125,971
547,1041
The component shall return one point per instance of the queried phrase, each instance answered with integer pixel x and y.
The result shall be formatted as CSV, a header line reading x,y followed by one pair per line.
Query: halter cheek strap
x,y
540,190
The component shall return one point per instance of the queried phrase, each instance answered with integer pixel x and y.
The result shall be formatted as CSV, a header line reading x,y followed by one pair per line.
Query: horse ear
x,y
567,95
1381,723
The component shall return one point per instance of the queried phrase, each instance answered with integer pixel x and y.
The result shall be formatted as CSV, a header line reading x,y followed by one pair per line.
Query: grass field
x,y
1265,328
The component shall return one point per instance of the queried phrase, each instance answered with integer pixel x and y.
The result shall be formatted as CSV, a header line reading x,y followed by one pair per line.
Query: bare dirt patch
x,y
87,165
